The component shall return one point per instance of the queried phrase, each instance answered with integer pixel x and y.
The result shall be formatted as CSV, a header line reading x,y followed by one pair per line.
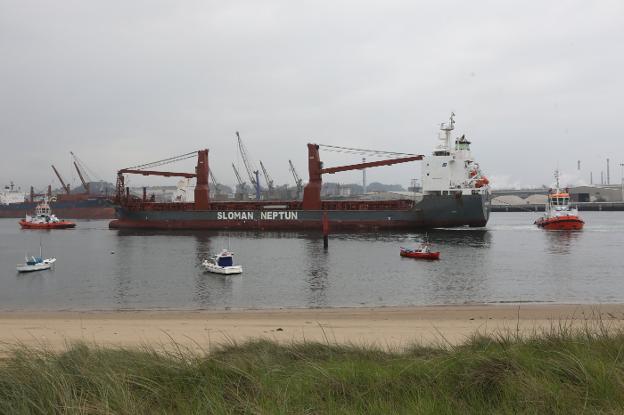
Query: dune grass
x,y
560,371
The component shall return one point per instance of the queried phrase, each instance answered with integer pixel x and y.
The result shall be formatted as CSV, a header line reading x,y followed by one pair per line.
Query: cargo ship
x,y
15,204
454,193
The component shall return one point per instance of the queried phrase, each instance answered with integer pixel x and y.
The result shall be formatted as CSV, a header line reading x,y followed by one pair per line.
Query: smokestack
x,y
601,177
591,177
608,173
578,165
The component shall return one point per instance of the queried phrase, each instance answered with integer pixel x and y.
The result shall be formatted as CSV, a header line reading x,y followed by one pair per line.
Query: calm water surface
x,y
509,261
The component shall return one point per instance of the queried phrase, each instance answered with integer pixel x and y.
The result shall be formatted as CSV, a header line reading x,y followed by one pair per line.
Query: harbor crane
x,y
298,180
81,175
65,186
267,178
252,171
242,186
217,186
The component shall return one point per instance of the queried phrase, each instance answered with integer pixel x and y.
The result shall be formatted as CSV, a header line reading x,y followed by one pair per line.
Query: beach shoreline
x,y
389,327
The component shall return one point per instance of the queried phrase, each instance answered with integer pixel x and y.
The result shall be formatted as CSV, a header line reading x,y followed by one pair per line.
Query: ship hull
x,y
74,209
431,211
561,223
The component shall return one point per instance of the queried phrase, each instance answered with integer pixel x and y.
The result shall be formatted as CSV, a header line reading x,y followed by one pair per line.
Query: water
x,y
510,261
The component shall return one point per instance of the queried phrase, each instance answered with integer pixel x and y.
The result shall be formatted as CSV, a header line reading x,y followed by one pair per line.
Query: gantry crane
x,y
252,171
298,180
242,186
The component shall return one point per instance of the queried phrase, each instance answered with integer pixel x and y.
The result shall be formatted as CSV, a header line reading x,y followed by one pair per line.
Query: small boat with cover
x,y
222,263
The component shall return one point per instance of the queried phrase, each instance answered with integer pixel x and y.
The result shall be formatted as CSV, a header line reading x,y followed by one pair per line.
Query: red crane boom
x,y
312,191
65,186
202,198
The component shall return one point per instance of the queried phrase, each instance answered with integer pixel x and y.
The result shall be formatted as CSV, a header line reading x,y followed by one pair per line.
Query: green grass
x,y
561,371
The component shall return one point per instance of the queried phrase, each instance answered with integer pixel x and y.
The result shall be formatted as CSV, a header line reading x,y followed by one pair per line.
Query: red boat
x,y
44,219
422,252
562,223
559,215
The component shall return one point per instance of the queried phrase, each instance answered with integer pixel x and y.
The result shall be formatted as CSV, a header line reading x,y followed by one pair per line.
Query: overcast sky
x,y
534,84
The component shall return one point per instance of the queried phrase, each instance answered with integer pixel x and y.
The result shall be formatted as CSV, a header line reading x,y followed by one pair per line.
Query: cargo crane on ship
x,y
252,171
81,175
123,196
298,180
65,187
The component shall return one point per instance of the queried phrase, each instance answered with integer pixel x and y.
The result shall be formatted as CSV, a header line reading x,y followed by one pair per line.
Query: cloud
x,y
121,83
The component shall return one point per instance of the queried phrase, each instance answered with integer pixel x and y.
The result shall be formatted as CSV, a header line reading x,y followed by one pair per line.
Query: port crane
x,y
242,186
63,185
216,185
298,180
267,178
81,175
252,171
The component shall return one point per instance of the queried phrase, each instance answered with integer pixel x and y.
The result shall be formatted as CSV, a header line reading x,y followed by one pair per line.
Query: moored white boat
x,y
36,263
222,263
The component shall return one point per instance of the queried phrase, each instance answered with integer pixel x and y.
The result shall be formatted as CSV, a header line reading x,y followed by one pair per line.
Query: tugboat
x,y
558,214
44,219
222,263
423,251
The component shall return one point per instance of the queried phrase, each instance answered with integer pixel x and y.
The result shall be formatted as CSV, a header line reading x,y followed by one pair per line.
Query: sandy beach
x,y
201,330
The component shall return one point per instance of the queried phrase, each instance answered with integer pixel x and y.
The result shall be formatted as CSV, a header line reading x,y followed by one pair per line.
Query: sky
x,y
534,85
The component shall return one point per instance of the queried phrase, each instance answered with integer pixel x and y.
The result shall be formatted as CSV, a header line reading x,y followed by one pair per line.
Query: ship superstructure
x,y
11,195
451,167
454,194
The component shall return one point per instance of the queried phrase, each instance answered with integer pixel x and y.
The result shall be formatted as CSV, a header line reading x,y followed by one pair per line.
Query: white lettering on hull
x,y
265,215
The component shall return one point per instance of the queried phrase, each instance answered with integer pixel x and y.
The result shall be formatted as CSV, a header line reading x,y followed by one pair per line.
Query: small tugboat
x,y
44,219
421,252
558,214
35,263
222,263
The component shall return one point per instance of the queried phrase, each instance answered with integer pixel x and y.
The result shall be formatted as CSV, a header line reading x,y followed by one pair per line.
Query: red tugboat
x,y
44,219
559,215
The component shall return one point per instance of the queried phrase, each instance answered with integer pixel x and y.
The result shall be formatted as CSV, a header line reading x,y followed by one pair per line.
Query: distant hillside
x,y
380,187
